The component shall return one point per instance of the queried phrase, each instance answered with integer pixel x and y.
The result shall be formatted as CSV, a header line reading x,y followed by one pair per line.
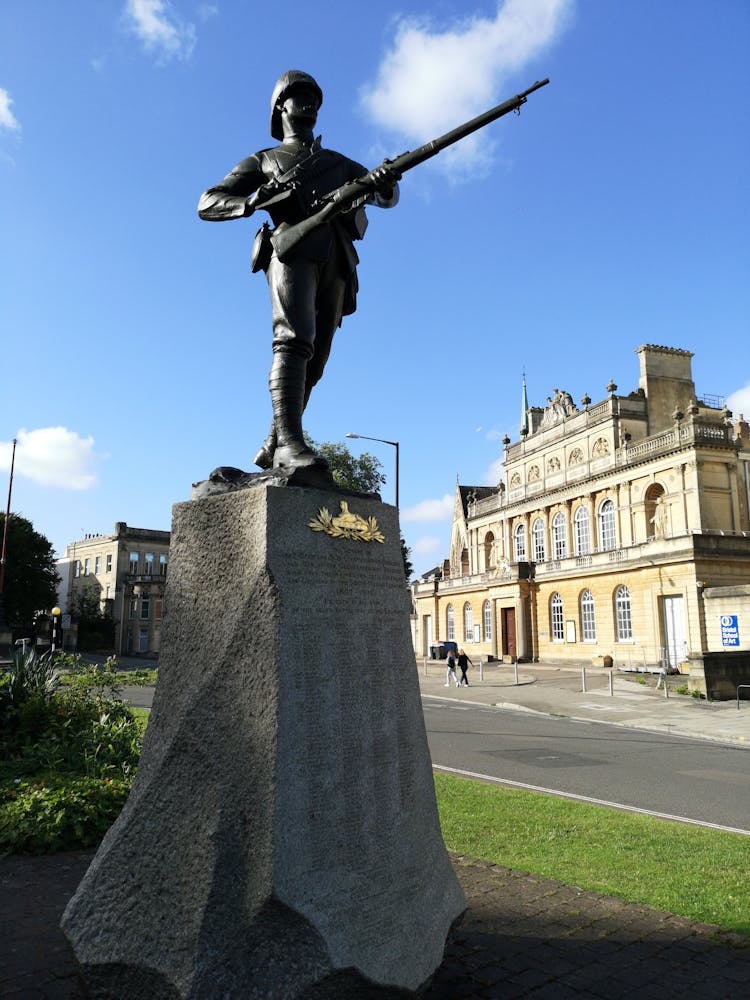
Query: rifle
x,y
344,198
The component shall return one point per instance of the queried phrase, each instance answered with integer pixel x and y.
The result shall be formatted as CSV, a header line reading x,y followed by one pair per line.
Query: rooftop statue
x,y
558,407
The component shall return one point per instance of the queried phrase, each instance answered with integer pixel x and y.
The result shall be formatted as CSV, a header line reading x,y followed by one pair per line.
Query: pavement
x,y
558,689
523,936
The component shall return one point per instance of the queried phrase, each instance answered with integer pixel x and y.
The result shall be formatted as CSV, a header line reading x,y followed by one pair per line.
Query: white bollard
x,y
424,665
515,671
611,683
583,679
481,670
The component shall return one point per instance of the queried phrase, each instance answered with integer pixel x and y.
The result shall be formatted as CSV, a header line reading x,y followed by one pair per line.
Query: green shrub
x,y
29,676
58,814
68,754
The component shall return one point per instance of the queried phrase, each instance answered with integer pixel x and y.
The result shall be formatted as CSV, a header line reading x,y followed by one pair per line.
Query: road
x,y
704,782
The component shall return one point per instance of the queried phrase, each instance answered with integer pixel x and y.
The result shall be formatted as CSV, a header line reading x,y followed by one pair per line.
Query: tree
x,y
361,474
405,555
30,582
96,628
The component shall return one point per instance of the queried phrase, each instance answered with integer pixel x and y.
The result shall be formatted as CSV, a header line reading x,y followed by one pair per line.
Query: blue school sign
x,y
730,632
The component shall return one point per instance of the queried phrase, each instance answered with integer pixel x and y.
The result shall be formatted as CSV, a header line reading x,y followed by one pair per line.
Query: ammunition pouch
x,y
262,249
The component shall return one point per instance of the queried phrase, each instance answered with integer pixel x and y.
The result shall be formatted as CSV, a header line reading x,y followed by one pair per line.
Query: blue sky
x,y
135,345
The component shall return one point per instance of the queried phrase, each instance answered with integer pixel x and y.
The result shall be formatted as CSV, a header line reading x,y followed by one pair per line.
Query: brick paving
x,y
522,936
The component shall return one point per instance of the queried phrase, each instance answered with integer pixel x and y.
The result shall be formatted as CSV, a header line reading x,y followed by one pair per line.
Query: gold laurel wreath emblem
x,y
347,525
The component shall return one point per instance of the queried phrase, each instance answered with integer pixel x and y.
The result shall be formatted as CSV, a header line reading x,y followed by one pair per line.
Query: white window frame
x,y
487,617
468,622
607,527
556,618
519,542
108,567
538,546
623,614
133,563
450,618
559,536
588,617
582,532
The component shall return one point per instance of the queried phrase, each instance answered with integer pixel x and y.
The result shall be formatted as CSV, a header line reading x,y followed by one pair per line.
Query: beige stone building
x,y
614,522
127,571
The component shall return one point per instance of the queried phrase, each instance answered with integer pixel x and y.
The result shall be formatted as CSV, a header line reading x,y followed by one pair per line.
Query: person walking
x,y
451,669
463,662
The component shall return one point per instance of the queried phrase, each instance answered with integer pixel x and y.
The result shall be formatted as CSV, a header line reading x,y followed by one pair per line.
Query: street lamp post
x,y
364,437
56,612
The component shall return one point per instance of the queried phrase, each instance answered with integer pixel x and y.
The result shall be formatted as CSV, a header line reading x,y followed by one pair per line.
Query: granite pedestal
x,y
281,839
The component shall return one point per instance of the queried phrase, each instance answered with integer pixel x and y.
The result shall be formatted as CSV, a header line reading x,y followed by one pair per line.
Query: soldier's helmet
x,y
292,78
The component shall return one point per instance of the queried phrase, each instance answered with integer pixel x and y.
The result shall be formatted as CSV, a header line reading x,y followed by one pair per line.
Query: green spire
x,y
524,405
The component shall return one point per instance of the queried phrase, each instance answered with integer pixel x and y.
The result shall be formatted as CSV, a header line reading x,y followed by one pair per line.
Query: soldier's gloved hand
x,y
385,179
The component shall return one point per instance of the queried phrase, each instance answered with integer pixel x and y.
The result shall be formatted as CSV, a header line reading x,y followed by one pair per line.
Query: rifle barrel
x,y
412,159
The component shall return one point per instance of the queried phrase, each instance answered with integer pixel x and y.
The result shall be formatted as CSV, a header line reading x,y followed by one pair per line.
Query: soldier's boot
x,y
264,456
287,384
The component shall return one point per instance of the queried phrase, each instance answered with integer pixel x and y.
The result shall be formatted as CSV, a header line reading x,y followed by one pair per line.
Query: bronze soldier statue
x,y
315,284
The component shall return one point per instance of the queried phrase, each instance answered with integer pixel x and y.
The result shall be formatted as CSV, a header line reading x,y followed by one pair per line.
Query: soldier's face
x,y
301,106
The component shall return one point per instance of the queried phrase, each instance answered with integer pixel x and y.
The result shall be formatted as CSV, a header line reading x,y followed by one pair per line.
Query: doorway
x,y
675,636
508,618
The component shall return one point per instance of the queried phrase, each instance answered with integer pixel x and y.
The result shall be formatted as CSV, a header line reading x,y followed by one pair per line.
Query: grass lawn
x,y
693,871
142,715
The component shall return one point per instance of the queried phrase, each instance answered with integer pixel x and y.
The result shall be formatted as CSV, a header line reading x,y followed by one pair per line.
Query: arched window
x,y
582,532
450,621
607,536
556,618
537,540
489,551
468,623
519,543
559,540
487,615
588,621
623,615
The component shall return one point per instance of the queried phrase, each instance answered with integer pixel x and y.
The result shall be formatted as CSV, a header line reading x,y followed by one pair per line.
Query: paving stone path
x,y
522,936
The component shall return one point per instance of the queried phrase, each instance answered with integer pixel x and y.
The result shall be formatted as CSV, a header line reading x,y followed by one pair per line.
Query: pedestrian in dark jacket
x,y
463,662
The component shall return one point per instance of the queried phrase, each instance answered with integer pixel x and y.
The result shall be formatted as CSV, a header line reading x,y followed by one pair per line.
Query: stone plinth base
x,y
281,839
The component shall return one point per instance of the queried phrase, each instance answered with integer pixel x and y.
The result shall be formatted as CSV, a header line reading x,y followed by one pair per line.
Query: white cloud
x,y
53,456
160,29
739,402
7,118
494,473
430,510
426,546
430,80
